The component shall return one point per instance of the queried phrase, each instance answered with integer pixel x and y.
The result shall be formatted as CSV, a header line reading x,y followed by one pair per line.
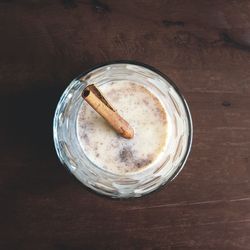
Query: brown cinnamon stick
x,y
97,101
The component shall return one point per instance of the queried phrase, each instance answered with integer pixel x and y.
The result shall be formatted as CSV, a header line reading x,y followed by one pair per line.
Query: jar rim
x,y
154,70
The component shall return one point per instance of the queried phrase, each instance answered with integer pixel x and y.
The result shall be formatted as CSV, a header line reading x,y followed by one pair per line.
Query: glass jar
x,y
132,184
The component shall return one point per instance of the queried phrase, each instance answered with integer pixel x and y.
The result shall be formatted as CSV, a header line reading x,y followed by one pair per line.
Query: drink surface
x,y
143,111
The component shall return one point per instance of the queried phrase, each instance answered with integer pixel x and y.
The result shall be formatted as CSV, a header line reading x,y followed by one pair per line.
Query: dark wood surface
x,y
204,46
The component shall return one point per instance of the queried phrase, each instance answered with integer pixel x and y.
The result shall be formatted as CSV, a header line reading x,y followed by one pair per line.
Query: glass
x,y
135,184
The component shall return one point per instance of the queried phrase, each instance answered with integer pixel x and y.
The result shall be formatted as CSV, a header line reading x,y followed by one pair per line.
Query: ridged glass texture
x,y
134,184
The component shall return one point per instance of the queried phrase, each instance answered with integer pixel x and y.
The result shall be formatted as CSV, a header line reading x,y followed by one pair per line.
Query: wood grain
x,y
204,46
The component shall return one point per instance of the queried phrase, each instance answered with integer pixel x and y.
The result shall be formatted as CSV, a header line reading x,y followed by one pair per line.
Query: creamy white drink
x,y
108,150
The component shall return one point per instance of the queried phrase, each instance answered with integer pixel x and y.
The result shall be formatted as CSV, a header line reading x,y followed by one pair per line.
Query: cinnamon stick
x,y
97,101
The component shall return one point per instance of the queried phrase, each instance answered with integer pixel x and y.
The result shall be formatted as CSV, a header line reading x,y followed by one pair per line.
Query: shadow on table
x,y
28,150
28,118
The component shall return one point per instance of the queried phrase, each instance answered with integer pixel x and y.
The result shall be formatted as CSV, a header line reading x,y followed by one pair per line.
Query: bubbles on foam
x,y
145,114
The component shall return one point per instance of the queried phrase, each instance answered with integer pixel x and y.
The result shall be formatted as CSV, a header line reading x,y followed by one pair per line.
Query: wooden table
x,y
204,46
